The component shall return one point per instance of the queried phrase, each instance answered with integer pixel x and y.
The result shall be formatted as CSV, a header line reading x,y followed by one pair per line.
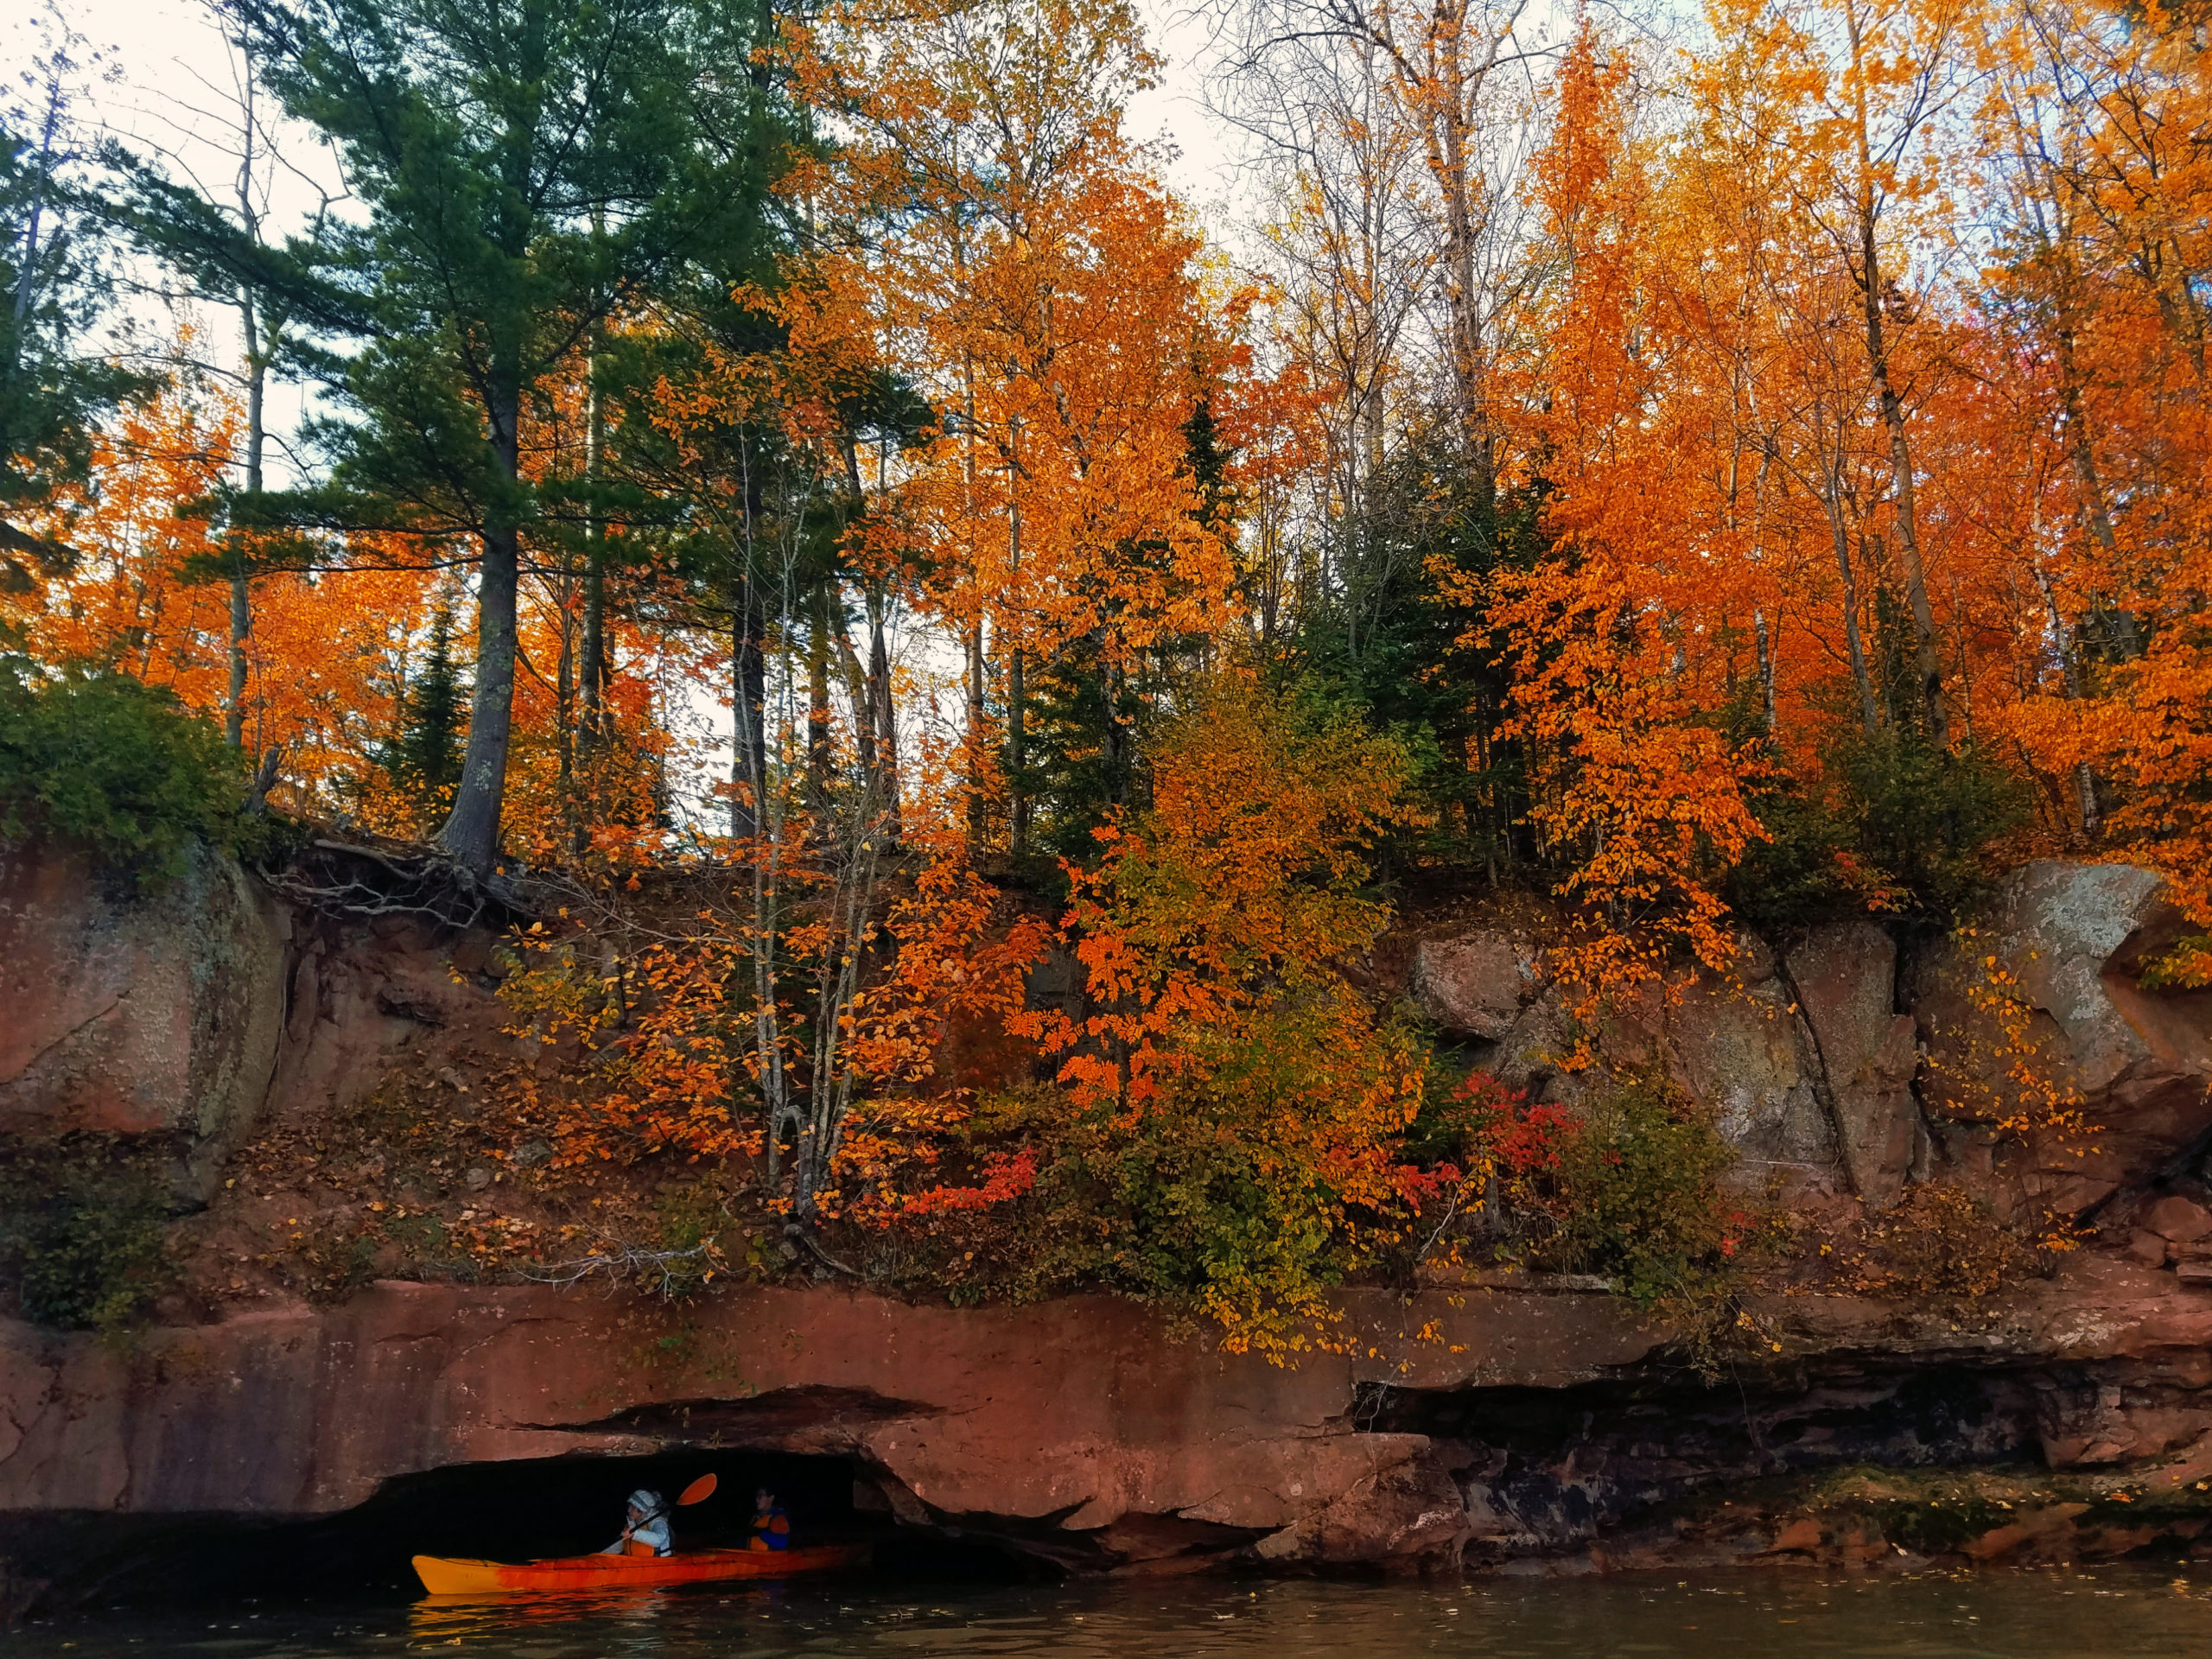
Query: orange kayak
x,y
444,1576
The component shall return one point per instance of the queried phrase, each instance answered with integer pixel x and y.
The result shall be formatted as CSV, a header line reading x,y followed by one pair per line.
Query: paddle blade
x,y
698,1491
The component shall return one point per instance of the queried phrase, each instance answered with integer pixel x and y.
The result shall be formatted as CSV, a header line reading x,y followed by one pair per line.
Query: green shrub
x,y
1263,1179
83,1237
1889,824
1626,1185
121,767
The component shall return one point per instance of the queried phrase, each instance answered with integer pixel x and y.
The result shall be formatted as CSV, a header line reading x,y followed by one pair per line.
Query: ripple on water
x,y
2107,1615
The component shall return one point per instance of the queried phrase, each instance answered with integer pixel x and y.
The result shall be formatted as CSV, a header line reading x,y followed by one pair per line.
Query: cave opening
x,y
508,1510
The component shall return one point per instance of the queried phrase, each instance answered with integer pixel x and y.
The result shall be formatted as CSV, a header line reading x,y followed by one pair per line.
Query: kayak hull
x,y
444,1576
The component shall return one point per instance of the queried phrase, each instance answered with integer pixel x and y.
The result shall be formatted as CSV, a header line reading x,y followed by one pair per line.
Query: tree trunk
x,y
749,700
591,652
1832,498
564,713
883,713
1927,661
257,382
1016,694
1459,232
820,758
1766,669
2085,782
471,832
2082,454
973,644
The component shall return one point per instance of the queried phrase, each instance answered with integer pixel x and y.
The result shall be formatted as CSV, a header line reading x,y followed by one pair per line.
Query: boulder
x,y
154,1015
1742,1054
2178,1219
1845,975
2062,946
1735,1045
1474,985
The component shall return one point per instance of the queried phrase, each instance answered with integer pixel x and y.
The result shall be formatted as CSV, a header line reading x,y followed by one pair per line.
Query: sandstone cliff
x,y
1486,1421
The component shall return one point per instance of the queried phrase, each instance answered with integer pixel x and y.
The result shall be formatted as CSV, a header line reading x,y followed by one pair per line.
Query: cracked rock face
x,y
2070,941
1829,1057
1475,985
1845,980
157,1015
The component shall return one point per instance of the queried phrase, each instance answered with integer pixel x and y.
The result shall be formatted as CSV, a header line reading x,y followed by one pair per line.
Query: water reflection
x,y
2108,1615
451,1620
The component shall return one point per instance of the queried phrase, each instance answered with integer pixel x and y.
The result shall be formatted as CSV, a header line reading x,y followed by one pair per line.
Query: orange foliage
x,y
1637,787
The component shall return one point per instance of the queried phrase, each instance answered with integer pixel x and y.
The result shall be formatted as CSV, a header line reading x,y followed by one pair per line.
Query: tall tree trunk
x,y
1016,694
820,758
257,355
748,701
857,689
2085,782
882,712
472,830
1855,644
591,666
1926,660
241,619
1766,669
564,713
2082,454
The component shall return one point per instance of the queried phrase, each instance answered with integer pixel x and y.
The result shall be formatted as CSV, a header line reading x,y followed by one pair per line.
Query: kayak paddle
x,y
698,1491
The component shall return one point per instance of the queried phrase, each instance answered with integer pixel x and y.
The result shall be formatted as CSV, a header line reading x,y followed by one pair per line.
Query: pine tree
x,y
425,759
52,287
526,172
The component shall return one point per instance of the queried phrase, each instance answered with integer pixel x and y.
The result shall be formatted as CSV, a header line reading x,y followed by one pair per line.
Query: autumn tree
x,y
1039,290
1638,786
1219,1035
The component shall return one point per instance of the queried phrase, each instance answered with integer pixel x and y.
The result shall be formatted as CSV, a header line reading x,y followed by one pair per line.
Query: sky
x,y
169,59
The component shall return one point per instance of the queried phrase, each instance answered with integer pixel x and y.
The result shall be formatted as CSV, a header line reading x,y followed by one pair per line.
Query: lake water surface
x,y
2019,1616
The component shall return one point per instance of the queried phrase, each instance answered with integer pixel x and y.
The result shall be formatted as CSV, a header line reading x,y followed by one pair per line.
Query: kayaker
x,y
646,1530
771,1527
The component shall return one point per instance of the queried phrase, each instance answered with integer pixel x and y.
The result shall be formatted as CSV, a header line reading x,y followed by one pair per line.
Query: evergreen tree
x,y
53,391
525,171
425,760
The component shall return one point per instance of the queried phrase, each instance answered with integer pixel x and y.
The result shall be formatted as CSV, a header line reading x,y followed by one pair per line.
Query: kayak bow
x,y
444,1576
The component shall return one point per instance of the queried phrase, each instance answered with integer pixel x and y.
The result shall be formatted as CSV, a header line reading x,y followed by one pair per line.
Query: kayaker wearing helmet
x,y
644,1530
771,1527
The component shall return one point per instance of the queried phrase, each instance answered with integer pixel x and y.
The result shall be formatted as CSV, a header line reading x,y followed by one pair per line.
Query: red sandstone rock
x,y
1801,1536
2147,1247
1862,1546
2176,1218
138,1014
2037,1529
1083,1422
1846,978
1475,985
2073,938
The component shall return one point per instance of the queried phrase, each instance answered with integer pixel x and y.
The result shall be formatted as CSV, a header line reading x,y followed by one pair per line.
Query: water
x,y
1780,1616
